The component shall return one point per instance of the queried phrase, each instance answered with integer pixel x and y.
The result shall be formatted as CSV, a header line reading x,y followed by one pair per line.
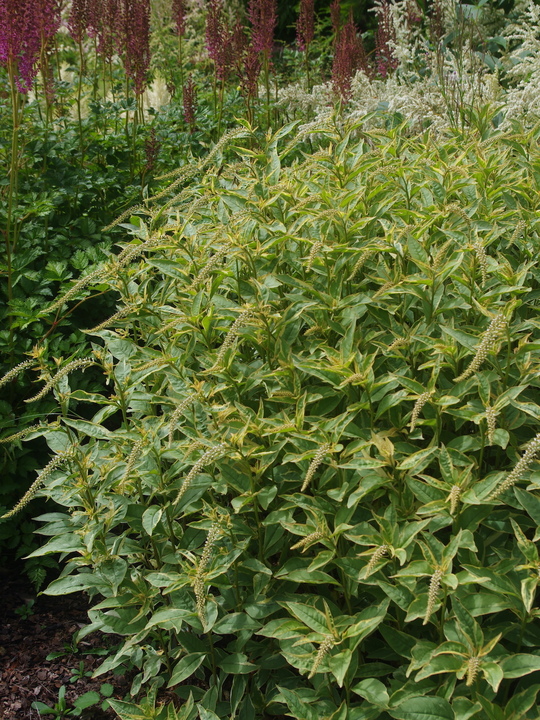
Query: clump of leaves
x,y
294,496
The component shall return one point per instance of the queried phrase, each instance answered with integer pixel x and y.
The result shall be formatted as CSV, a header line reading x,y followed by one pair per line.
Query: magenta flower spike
x,y
218,39
189,95
109,28
305,26
349,56
179,16
79,19
137,42
384,41
20,40
335,17
263,17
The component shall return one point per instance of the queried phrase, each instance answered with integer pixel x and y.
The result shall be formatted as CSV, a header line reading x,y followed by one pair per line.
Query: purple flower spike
x,y
179,16
349,56
26,25
305,26
136,15
384,41
263,17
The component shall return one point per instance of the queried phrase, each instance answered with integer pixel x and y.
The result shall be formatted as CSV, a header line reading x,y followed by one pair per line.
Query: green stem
x,y
267,83
79,98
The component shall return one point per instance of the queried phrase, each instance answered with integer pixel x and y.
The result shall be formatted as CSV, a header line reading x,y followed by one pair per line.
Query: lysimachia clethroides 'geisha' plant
x,y
308,483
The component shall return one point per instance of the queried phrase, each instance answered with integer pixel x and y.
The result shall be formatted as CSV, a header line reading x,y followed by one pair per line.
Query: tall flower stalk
x,y
305,31
349,56
263,17
179,18
22,31
385,41
218,44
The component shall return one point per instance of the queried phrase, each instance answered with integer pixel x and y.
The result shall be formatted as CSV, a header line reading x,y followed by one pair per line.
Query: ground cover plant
x,y
309,486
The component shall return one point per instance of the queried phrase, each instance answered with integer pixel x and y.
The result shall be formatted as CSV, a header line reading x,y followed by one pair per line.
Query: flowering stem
x,y
181,60
13,185
220,112
79,95
267,83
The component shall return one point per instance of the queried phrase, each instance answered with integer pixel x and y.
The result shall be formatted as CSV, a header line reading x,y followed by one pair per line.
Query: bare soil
x,y
45,625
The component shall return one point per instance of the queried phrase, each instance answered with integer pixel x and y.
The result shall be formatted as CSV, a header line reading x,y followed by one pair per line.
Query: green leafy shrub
x,y
308,488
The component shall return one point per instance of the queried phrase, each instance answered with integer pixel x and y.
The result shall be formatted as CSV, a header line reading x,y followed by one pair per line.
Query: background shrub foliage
x,y
308,487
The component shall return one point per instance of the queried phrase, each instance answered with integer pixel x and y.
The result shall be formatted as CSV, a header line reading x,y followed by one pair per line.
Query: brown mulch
x,y
26,676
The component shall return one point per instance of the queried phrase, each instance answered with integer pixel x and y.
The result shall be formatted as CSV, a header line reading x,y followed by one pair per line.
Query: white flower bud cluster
x,y
488,343
79,285
38,482
418,405
379,553
472,670
177,414
481,258
520,227
453,498
210,265
198,582
156,362
208,457
16,370
132,459
317,460
27,431
239,323
74,365
354,379
313,254
117,316
533,448
491,420
324,648
360,263
398,342
434,585
308,540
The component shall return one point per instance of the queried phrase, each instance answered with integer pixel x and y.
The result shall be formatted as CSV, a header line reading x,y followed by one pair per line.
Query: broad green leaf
x,y
493,673
423,708
151,518
374,691
519,703
298,709
514,666
185,667
310,616
339,664
236,664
